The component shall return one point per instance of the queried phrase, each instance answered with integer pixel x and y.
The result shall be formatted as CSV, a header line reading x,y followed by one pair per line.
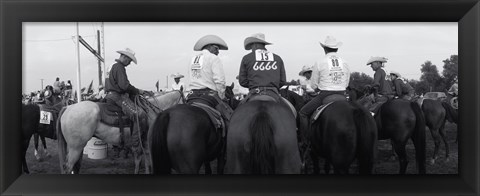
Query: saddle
x,y
112,115
48,117
327,101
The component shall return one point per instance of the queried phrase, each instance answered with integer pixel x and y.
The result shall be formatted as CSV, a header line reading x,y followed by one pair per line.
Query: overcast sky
x,y
163,49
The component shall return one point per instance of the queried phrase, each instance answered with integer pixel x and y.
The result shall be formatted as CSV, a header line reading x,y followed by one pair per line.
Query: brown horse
x,y
262,139
78,123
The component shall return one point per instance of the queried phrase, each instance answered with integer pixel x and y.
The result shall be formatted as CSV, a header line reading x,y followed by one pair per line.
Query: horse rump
x,y
262,157
159,149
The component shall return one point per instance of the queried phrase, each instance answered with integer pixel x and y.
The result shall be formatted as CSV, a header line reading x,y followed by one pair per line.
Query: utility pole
x,y
79,96
42,83
100,82
102,52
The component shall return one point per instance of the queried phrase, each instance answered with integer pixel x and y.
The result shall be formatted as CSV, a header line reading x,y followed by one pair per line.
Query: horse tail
x,y
419,137
159,149
262,158
452,115
366,138
62,144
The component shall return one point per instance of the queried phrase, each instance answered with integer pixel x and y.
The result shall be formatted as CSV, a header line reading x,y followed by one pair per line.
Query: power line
x,y
53,40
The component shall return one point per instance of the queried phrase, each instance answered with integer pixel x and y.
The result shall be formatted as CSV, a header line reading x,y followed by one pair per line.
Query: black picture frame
x,y
14,12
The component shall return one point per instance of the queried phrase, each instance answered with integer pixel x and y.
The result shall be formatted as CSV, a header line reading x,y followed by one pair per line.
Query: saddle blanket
x,y
110,115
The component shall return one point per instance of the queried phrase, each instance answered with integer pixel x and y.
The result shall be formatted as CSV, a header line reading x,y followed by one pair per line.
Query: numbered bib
x,y
335,64
263,55
197,62
45,117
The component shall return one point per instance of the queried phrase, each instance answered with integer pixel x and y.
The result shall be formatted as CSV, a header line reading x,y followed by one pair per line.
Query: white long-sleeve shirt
x,y
207,72
331,73
308,86
177,87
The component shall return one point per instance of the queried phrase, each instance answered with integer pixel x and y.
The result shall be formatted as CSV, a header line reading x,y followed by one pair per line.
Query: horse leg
x,y
221,163
402,156
394,155
208,168
45,146
38,156
73,164
327,167
25,144
443,134
78,164
316,167
436,139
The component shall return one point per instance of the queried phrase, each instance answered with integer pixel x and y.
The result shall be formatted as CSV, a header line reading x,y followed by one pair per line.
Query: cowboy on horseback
x,y
381,87
401,89
330,76
309,92
261,71
119,90
178,86
454,88
207,75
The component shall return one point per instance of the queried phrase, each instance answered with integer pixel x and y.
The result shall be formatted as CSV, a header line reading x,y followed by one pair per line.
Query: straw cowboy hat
x,y
177,75
331,42
255,38
210,39
304,70
377,58
130,53
395,73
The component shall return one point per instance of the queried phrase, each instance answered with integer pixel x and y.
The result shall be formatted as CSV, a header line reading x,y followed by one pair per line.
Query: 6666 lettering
x,y
262,66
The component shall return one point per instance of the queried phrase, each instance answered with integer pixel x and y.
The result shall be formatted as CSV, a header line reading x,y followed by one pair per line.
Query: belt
x,y
202,90
259,89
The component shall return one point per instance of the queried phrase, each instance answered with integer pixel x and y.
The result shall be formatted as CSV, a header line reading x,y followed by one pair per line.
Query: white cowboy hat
x,y
130,53
255,38
395,73
377,58
304,70
331,42
177,75
210,39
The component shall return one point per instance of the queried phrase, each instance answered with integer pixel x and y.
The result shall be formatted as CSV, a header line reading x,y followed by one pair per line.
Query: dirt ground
x,y
384,165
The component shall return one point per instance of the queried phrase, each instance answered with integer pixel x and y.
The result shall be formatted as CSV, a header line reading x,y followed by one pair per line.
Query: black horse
x,y
436,113
183,138
30,123
399,120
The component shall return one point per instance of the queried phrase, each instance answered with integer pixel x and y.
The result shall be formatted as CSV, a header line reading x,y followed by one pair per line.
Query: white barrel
x,y
96,149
